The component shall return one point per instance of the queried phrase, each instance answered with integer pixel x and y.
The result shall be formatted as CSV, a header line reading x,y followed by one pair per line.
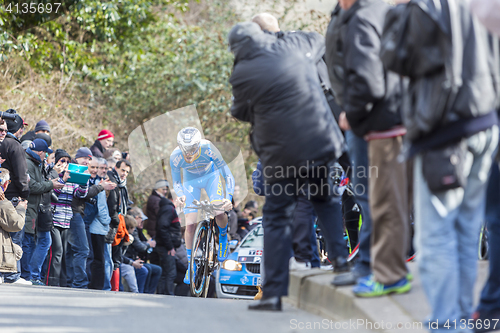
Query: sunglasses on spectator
x,y
3,130
64,161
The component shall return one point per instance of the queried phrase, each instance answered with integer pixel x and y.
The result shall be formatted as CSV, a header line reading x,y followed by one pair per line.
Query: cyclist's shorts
x,y
212,185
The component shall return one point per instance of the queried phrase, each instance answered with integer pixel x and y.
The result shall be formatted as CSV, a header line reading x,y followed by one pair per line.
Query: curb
x,y
311,291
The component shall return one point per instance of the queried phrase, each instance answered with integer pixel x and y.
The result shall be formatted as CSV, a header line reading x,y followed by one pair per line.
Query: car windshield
x,y
255,238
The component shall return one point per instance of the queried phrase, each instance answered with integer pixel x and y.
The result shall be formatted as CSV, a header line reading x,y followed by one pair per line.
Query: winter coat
x,y
152,208
139,246
101,220
78,202
115,202
97,149
38,185
15,161
168,227
276,88
11,220
422,55
334,54
372,95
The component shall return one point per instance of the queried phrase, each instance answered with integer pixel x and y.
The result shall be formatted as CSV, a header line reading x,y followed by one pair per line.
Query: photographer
x,y
34,254
11,220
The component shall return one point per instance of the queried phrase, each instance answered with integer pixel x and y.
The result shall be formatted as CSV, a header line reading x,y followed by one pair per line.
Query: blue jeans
x,y
17,238
447,226
43,242
28,249
80,250
490,296
154,274
358,153
108,267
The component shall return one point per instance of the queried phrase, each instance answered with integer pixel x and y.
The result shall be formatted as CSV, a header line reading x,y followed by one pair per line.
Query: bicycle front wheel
x,y
198,266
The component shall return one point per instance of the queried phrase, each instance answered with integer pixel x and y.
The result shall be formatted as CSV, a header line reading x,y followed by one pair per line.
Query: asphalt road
x,y
36,309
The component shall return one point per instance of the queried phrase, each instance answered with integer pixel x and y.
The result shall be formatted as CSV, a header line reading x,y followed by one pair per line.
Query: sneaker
x,y
223,248
22,282
37,282
299,266
371,288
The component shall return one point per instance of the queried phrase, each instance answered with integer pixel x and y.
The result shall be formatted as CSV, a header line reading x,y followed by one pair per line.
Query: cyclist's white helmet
x,y
189,139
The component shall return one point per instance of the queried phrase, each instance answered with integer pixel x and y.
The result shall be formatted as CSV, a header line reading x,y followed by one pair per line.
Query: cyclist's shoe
x,y
371,288
186,277
223,248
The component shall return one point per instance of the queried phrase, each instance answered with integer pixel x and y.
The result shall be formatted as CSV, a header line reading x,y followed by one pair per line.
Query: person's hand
x,y
152,243
227,205
171,252
180,201
57,185
59,168
138,263
343,122
108,185
23,203
66,176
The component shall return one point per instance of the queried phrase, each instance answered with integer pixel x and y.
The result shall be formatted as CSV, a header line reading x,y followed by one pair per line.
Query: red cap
x,y
105,134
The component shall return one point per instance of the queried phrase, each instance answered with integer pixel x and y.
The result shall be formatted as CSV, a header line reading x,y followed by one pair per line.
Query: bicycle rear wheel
x,y
199,262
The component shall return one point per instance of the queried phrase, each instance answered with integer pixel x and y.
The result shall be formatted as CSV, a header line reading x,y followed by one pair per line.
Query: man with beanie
x,y
15,161
41,127
104,141
34,252
78,235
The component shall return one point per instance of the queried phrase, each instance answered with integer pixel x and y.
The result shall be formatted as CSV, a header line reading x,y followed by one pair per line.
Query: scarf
x,y
34,156
122,188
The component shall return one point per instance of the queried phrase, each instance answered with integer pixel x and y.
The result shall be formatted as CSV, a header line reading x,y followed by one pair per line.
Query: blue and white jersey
x,y
208,161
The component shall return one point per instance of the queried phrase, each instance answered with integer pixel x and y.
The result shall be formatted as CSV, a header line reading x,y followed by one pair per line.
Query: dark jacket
x,y
38,185
138,248
152,208
78,204
168,227
15,161
422,55
115,202
372,95
276,88
97,149
334,54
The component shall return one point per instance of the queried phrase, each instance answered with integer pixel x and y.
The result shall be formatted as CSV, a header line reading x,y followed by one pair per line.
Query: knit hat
x,y
160,184
83,152
14,125
42,125
105,134
60,153
40,145
45,137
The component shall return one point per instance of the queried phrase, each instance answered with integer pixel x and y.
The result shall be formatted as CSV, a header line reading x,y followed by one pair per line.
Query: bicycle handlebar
x,y
205,206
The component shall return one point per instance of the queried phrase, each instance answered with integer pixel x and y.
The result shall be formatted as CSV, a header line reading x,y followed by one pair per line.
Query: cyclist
x,y
202,165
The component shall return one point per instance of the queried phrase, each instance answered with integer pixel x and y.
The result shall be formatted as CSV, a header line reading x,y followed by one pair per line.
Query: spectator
x,y
98,214
357,148
62,216
3,130
488,13
41,127
297,98
111,163
39,212
79,241
132,269
160,189
15,161
114,153
372,103
105,140
11,220
103,168
446,45
117,204
168,238
140,248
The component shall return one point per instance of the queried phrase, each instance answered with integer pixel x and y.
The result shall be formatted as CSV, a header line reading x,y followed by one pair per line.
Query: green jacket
x,y
38,185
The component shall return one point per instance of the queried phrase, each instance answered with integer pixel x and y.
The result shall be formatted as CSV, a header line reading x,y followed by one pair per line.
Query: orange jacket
x,y
122,232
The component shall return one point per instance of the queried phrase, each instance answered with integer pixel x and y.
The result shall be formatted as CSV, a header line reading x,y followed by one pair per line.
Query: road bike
x,y
204,251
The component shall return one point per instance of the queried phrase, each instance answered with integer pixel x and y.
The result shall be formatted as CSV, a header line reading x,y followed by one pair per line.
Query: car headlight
x,y
231,265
